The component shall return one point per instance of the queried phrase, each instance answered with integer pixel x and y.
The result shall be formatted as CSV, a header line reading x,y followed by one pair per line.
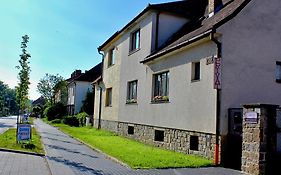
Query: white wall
x,y
168,25
251,47
191,106
81,90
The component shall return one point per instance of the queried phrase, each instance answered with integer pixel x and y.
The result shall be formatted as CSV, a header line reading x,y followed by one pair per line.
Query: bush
x,y
56,121
71,121
82,118
57,111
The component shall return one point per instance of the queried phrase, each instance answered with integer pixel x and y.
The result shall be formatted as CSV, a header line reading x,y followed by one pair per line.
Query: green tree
x,y
61,89
23,76
88,103
48,85
7,100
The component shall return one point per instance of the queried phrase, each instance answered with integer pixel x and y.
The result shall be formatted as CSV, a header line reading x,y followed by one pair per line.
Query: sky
x,y
63,34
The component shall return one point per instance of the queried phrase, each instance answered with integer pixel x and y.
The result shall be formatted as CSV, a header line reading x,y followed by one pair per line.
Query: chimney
x,y
76,73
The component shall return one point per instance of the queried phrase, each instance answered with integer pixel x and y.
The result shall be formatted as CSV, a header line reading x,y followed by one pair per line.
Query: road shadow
x,y
78,166
64,141
69,150
58,135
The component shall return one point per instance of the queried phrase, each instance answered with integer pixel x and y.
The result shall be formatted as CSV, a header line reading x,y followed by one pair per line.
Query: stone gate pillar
x,y
259,138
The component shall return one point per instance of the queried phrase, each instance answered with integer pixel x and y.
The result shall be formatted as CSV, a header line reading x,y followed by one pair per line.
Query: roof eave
x,y
101,48
178,46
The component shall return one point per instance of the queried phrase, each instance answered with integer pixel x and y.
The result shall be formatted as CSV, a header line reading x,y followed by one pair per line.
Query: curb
x,y
22,152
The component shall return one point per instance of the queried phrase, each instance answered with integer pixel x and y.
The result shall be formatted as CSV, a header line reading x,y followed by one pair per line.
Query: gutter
x,y
100,88
218,101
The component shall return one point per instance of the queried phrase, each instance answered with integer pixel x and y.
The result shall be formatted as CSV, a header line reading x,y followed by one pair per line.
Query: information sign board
x,y
24,132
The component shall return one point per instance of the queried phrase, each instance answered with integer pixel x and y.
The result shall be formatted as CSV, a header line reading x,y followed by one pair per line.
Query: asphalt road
x,y
7,122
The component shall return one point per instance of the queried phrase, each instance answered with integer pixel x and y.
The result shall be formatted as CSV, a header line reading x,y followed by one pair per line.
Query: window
x,y
194,143
161,87
111,57
130,130
135,40
195,71
132,92
278,71
108,99
159,136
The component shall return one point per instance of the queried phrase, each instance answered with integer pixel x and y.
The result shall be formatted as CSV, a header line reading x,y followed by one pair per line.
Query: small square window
x,y
111,57
108,99
194,143
195,71
131,130
159,136
135,40
278,72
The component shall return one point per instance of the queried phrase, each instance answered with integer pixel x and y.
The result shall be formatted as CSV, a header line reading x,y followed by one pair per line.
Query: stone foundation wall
x,y
174,139
107,125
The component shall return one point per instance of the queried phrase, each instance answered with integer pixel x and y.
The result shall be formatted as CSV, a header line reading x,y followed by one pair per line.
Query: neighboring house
x,y
78,86
177,74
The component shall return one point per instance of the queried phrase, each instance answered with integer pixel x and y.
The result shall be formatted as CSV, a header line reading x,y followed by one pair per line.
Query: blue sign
x,y
24,132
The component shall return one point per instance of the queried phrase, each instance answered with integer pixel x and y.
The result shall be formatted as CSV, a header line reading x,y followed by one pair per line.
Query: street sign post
x,y
24,132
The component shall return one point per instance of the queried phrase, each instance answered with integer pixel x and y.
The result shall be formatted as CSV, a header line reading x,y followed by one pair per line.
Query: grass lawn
x,y
8,140
133,153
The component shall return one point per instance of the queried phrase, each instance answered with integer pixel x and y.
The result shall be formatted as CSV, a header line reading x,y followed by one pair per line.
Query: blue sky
x,y
64,34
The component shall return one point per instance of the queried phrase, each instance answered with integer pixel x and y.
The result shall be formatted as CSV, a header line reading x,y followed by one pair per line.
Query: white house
x,y
78,86
177,74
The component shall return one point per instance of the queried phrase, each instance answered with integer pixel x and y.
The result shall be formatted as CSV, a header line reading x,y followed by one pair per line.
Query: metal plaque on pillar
x,y
251,117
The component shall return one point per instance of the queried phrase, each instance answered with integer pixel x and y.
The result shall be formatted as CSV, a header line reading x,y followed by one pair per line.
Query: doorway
x,y
234,139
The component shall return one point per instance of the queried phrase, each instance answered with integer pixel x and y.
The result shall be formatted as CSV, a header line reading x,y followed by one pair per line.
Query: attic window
x,y
135,40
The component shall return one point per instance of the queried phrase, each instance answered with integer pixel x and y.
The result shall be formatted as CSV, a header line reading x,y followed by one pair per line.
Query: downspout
x,y
100,88
218,102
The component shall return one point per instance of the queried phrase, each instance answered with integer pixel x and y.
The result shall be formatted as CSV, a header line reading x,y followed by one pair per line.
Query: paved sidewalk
x,y
66,156
22,164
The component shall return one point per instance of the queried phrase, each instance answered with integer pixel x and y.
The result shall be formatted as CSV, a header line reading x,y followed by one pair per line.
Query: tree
x,y
23,76
88,103
48,85
7,100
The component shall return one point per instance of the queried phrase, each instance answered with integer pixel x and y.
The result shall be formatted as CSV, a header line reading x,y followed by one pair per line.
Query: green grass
x,y
8,141
133,153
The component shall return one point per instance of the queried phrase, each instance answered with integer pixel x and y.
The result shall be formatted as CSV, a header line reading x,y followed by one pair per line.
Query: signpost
x,y
217,73
23,129
24,132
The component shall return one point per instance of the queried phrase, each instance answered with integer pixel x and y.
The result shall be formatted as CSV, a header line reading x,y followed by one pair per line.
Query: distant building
x,y
78,85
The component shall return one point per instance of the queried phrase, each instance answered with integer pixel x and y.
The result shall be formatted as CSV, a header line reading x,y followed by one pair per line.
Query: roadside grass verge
x,y
8,141
131,152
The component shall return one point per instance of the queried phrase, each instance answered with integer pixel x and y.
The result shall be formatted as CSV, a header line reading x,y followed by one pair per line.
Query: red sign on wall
x,y
217,73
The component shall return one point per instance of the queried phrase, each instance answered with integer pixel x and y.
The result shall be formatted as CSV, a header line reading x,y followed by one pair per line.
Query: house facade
x,y
183,69
78,86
